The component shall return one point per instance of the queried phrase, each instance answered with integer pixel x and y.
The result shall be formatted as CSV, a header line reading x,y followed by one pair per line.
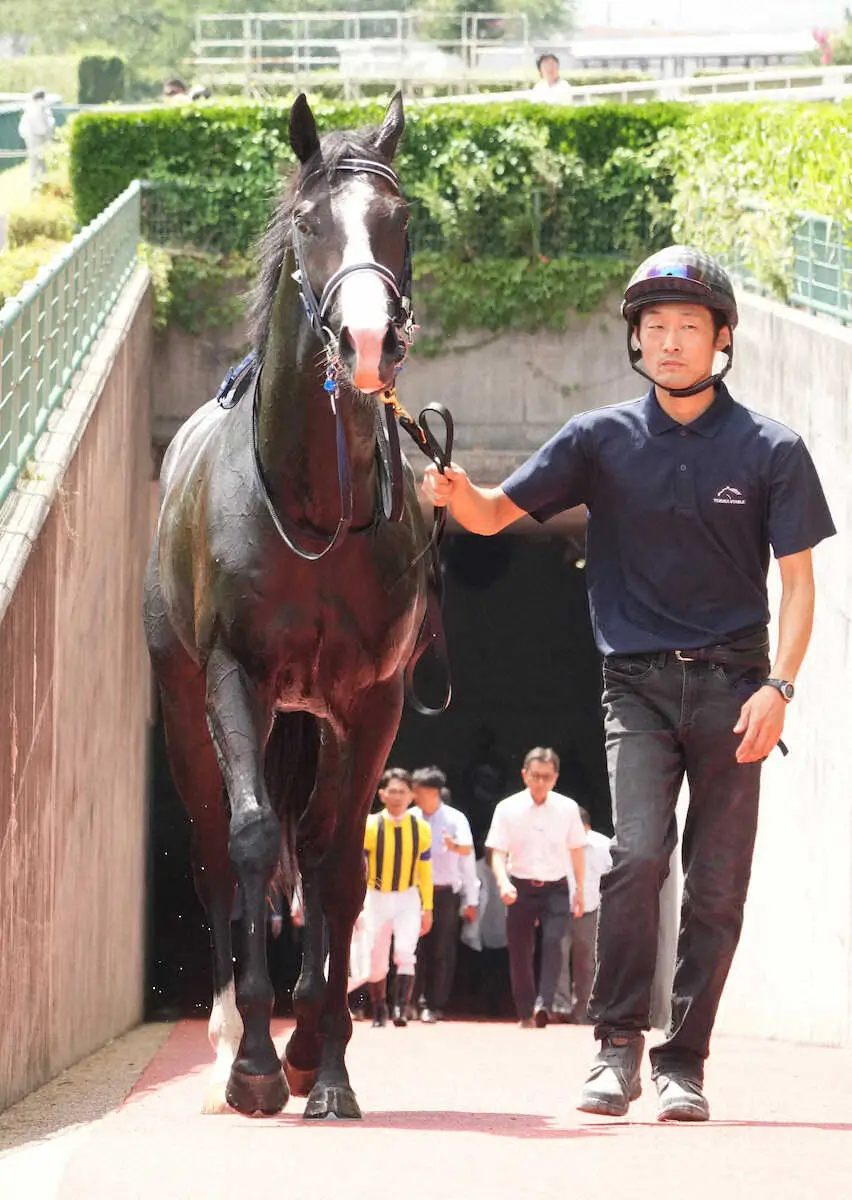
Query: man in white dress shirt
x,y
550,87
455,886
536,838
578,946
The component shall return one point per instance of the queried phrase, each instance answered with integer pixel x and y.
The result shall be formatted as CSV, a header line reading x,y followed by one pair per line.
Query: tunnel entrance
x,y
525,673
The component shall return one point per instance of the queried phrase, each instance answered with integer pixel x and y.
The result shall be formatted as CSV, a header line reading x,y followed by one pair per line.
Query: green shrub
x,y
744,173
223,164
44,216
100,79
21,264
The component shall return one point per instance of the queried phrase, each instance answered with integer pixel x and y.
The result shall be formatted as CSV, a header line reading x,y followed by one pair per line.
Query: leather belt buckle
x,y
539,883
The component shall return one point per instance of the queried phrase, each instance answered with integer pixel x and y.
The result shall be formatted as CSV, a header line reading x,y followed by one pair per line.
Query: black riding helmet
x,y
678,274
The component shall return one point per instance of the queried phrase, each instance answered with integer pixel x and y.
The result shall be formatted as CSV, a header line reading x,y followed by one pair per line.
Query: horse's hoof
x,y
301,1082
335,1103
257,1095
214,1101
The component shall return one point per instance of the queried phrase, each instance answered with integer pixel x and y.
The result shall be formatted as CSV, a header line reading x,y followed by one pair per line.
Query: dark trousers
x,y
665,719
550,908
578,967
438,950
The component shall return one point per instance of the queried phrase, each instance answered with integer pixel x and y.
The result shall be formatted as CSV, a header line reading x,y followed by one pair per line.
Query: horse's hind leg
x,y
343,887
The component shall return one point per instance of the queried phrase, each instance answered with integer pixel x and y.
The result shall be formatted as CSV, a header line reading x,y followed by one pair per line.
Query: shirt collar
x,y
707,425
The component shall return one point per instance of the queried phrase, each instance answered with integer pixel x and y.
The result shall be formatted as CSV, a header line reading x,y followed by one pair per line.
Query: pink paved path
x,y
470,1111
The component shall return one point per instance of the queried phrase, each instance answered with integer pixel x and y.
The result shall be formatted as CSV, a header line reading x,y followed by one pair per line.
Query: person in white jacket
x,y
36,130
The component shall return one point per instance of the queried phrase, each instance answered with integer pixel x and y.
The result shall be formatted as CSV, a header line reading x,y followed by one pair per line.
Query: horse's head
x,y
349,236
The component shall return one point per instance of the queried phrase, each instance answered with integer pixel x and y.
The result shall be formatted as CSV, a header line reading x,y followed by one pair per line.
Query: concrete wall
x,y
508,392
792,977
74,693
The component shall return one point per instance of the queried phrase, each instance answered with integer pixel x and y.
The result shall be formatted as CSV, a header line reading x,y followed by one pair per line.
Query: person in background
x,y
578,946
36,128
550,87
536,836
454,884
174,91
398,903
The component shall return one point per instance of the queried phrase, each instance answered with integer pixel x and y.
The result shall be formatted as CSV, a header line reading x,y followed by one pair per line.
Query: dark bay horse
x,y
280,663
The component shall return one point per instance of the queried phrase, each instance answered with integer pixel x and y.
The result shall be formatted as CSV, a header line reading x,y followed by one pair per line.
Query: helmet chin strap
x,y
711,380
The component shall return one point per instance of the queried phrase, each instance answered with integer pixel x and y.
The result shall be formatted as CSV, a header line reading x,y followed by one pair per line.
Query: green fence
x,y
822,267
46,331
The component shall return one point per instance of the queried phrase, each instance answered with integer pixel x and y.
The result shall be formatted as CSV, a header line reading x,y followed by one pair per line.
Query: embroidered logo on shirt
x,y
729,495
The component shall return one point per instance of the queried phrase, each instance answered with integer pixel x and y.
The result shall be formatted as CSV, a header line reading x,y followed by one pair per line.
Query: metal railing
x,y
822,267
47,329
790,83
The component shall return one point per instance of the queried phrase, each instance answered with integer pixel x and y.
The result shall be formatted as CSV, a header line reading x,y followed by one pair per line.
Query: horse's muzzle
x,y
371,356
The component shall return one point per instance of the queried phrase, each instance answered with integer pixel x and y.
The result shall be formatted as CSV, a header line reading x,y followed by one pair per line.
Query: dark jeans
x,y
665,719
549,907
438,950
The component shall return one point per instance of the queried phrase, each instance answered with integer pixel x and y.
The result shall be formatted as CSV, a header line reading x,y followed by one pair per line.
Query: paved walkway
x,y
459,1111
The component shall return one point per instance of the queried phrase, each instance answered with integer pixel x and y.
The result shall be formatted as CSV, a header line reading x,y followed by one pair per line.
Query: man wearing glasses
x,y
534,836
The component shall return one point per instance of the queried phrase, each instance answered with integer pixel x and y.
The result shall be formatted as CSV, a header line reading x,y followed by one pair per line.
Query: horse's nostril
x,y
392,346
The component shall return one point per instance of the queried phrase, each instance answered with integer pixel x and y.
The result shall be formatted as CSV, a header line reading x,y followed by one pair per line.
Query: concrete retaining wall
x,y
792,977
74,694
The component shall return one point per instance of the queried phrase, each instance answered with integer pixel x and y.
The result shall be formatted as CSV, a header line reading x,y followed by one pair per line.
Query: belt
x,y
443,887
746,650
540,883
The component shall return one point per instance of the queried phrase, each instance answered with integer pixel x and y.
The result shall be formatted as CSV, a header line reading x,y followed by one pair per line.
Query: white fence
x,y
788,83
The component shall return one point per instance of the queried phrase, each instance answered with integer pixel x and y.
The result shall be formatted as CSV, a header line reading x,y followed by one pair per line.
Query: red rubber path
x,y
463,1111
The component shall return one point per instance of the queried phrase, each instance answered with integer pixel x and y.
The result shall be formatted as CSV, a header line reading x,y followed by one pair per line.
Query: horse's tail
x,y
290,768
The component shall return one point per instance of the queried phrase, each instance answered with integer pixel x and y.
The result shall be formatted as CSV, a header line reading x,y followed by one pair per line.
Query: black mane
x,y
273,246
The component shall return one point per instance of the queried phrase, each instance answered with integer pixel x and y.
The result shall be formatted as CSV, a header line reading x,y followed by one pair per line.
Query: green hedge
x,y
508,178
101,79
744,172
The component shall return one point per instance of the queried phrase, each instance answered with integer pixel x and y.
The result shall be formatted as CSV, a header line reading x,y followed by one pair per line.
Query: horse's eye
x,y
303,226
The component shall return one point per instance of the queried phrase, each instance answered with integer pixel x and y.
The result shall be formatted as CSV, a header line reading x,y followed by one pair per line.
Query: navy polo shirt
x,y
680,517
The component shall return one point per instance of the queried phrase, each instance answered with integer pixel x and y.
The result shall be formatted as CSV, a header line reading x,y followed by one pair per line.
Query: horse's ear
x,y
303,129
387,138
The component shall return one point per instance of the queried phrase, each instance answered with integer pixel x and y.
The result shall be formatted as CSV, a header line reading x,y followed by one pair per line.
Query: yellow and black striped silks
x,y
399,854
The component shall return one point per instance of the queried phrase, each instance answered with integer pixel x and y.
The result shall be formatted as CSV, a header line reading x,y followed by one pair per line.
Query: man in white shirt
x,y
550,87
578,946
455,887
536,838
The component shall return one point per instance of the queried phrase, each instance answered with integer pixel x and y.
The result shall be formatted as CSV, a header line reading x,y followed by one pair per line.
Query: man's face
x,y
426,798
678,343
549,70
396,797
540,777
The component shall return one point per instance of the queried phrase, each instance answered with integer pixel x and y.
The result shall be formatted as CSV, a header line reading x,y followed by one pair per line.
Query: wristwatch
x,y
781,685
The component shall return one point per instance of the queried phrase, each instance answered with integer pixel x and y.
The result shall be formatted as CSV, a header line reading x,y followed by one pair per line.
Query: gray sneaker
x,y
614,1078
680,1098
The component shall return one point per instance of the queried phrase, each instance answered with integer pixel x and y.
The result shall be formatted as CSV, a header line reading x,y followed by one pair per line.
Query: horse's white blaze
x,y
363,296
225,1031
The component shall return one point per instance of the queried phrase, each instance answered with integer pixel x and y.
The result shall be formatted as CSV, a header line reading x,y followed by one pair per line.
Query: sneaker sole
x,y
683,1112
600,1107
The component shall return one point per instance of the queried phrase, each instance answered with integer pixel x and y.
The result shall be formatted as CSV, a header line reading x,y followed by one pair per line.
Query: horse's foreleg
x,y
314,836
236,720
343,885
199,783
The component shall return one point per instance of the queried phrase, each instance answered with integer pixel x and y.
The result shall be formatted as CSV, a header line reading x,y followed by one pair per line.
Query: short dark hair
x,y
392,773
543,58
542,754
584,816
430,777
